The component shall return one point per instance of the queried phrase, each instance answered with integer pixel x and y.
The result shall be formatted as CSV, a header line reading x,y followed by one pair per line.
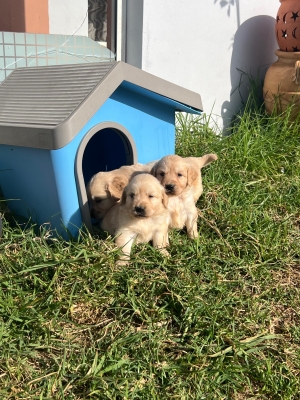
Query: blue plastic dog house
x,y
59,125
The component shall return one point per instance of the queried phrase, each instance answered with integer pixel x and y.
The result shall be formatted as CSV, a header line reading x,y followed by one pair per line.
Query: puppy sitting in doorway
x,y
140,216
182,181
105,188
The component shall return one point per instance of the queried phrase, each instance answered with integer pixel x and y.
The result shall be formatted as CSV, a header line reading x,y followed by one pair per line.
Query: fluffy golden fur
x,y
182,181
105,188
140,216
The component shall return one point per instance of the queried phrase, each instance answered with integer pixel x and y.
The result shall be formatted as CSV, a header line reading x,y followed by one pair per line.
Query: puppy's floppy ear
x,y
192,175
206,159
154,170
123,198
165,199
116,187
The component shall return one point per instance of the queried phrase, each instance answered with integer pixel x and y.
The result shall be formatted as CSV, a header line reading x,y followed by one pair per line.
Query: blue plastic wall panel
x,y
152,126
45,180
28,182
151,123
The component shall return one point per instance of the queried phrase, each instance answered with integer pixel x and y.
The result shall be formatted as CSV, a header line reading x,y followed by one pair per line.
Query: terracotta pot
x,y
287,26
282,83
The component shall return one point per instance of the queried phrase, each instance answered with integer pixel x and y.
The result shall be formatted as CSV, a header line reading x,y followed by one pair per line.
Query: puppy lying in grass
x,y
140,216
105,188
182,181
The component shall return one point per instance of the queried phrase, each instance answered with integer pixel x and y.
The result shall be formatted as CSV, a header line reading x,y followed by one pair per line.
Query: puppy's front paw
x,y
164,252
192,235
122,262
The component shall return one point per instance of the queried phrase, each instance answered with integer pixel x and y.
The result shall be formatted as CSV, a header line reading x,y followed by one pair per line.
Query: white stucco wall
x,y
68,17
200,45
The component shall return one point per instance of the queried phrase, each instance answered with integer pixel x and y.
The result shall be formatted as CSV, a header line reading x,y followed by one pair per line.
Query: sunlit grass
x,y
219,319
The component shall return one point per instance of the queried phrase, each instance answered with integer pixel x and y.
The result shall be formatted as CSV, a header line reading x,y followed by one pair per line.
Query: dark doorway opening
x,y
101,150
108,149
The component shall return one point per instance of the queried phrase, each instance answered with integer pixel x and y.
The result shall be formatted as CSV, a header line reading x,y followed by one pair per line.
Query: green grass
x,y
219,319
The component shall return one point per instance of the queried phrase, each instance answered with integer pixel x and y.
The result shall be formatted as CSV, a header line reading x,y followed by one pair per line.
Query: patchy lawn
x,y
219,319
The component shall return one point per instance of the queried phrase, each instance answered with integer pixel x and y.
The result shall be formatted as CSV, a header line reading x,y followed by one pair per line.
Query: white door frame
x,y
121,30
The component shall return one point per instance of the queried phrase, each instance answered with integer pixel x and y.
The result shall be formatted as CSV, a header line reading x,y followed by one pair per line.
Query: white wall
x,y
200,44
68,17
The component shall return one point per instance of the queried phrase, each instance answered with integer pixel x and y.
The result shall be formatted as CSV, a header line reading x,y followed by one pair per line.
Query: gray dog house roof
x,y
45,107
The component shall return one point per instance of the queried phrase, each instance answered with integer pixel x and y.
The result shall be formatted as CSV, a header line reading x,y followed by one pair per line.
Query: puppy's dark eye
x,y
179,174
162,174
98,200
150,196
131,195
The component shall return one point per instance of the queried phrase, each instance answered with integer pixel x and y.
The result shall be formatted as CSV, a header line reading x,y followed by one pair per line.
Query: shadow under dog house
x,y
59,125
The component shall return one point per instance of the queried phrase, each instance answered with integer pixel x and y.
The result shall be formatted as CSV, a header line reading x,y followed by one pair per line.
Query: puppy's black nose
x,y
169,187
139,210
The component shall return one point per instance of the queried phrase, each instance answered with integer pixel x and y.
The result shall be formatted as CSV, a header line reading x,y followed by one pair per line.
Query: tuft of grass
x,y
219,319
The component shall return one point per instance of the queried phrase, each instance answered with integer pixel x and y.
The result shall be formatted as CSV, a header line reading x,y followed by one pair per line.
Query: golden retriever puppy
x,y
182,181
105,188
140,216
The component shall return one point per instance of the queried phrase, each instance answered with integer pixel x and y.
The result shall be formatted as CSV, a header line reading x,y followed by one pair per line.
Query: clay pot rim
x,y
287,54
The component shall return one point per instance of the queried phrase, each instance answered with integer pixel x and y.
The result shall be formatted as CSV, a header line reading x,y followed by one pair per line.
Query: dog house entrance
x,y
105,147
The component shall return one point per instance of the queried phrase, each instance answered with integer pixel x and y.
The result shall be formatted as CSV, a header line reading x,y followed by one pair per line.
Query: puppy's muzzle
x,y
139,211
169,188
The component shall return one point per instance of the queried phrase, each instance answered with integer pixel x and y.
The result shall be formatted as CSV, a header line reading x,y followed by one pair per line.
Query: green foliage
x,y
219,319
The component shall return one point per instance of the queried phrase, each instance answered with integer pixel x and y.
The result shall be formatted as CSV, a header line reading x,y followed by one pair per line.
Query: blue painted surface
x,y
27,179
45,180
152,124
